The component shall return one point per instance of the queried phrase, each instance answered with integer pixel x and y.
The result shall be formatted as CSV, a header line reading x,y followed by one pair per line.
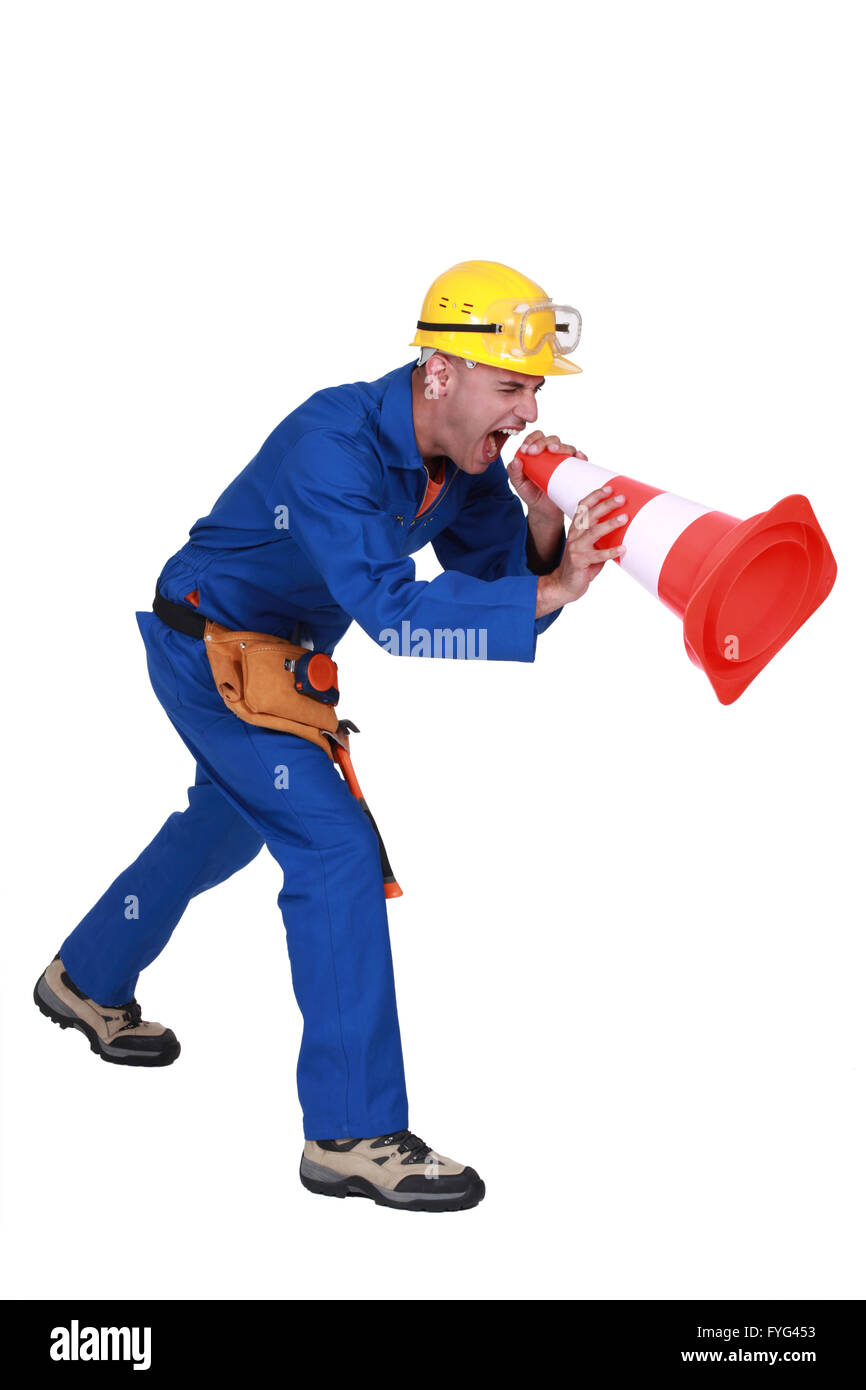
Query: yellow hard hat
x,y
487,312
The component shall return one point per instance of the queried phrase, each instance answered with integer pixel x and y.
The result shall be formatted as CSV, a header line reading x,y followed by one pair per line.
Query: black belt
x,y
192,624
182,619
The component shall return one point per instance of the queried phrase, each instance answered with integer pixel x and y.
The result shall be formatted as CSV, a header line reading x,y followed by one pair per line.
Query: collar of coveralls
x,y
397,424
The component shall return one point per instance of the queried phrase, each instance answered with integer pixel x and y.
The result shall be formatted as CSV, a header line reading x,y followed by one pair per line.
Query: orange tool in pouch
x,y
341,757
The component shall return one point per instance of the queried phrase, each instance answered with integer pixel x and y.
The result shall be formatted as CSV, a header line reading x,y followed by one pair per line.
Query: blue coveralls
x,y
317,530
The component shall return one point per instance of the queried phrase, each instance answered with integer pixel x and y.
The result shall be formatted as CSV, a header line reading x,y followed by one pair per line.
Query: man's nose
x,y
527,409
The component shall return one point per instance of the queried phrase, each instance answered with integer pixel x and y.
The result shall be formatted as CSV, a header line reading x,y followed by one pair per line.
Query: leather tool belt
x,y
263,680
253,673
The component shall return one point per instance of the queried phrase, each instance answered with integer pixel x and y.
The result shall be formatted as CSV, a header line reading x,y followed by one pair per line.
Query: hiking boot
x,y
117,1032
396,1170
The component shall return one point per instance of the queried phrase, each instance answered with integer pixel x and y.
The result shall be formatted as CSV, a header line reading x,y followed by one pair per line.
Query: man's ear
x,y
439,375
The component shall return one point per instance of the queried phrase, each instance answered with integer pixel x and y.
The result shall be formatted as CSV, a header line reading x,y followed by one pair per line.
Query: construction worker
x,y
316,531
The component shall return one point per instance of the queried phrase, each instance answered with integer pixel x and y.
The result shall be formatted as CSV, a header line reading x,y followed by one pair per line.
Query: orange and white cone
x,y
741,588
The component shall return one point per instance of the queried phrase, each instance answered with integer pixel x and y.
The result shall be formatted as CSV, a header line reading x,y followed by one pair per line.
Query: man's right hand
x,y
581,562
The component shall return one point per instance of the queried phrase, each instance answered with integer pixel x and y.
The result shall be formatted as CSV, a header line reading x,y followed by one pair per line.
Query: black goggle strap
x,y
472,327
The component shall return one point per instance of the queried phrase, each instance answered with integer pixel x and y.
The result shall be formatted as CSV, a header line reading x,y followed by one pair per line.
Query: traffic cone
x,y
741,588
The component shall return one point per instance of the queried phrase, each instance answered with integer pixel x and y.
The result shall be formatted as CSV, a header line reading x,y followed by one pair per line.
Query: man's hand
x,y
544,517
581,562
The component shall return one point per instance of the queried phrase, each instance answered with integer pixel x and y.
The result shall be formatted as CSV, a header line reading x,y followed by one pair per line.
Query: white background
x,y
629,954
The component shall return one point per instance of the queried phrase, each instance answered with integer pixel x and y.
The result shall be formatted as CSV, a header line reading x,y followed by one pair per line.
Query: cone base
x,y
754,590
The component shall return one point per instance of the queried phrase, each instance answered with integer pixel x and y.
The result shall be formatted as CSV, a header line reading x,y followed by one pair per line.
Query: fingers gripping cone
x,y
741,588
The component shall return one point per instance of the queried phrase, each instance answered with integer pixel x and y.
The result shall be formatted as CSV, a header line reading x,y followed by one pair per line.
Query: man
x,y
315,532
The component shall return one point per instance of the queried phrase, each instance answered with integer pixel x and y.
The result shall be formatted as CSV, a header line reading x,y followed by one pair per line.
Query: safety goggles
x,y
523,329
515,328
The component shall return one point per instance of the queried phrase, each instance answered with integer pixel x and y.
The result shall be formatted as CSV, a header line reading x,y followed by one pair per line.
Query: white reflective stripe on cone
x,y
574,479
650,535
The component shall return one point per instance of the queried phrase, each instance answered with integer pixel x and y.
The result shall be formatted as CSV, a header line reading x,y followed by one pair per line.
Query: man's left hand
x,y
543,513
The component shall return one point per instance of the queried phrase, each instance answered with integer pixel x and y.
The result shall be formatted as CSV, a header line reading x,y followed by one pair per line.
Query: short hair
x,y
427,352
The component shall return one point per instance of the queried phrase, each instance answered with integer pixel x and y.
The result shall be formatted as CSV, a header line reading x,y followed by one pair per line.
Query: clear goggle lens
x,y
523,329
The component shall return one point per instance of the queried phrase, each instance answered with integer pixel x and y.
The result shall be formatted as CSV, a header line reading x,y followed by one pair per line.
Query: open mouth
x,y
494,442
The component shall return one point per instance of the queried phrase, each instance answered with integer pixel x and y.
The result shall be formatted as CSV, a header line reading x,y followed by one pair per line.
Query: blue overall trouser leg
x,y
287,793
133,920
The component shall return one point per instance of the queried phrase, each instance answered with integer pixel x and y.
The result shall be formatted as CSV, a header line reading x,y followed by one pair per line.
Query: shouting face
x,y
475,410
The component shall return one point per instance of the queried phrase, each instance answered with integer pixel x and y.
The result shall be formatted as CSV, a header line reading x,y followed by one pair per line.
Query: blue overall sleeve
x,y
488,538
334,490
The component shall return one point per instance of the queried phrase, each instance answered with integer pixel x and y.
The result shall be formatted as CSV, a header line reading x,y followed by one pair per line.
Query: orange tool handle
x,y
392,887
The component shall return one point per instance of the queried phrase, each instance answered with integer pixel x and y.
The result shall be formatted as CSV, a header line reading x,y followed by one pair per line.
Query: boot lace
x,y
132,1013
407,1143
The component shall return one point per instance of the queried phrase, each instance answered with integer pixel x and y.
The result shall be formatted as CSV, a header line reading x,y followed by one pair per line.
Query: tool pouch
x,y
253,674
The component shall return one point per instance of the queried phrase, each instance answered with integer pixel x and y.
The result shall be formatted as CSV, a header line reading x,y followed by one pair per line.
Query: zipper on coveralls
x,y
425,516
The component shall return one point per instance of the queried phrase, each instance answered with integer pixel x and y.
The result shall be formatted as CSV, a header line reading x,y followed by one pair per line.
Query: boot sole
x,y
52,1007
324,1181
